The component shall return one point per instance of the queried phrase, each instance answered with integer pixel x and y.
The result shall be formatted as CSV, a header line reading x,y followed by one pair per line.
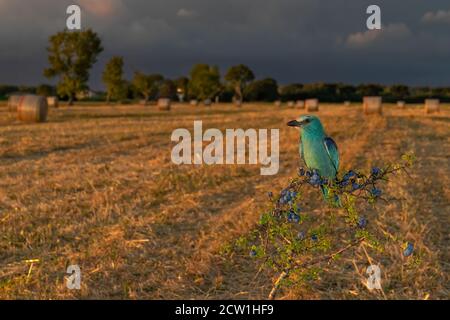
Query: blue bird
x,y
318,151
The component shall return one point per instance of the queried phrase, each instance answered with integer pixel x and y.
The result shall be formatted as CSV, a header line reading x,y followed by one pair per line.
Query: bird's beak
x,y
294,123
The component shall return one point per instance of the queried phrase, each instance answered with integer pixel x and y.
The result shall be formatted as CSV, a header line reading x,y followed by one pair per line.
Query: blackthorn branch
x,y
282,239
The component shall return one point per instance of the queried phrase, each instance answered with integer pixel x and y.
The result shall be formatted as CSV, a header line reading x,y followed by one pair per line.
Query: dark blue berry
x,y
344,183
293,217
301,172
408,250
362,222
375,171
314,237
290,216
315,179
252,253
285,196
355,186
375,192
349,175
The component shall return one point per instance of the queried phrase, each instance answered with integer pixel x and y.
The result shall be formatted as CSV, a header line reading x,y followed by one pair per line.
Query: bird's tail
x,y
334,200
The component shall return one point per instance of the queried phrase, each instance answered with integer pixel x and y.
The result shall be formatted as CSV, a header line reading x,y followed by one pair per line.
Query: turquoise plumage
x,y
318,151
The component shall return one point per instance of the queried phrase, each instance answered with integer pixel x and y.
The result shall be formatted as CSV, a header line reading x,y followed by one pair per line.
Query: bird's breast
x,y
316,156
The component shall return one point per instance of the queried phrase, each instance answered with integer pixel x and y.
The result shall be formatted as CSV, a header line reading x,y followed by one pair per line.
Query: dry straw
x,y
164,104
300,104
432,105
32,108
312,105
52,102
372,105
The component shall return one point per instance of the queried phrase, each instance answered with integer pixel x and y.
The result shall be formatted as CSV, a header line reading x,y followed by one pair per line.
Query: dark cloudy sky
x,y
290,40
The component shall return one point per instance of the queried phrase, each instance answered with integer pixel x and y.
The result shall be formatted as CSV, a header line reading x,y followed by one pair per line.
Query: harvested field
x,y
95,186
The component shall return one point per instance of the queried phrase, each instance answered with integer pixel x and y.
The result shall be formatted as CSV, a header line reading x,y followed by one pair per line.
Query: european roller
x,y
318,151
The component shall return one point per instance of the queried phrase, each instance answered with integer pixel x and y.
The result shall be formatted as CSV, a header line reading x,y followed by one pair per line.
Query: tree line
x,y
71,55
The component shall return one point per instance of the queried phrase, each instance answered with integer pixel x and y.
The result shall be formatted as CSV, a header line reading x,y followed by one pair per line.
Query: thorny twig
x,y
329,257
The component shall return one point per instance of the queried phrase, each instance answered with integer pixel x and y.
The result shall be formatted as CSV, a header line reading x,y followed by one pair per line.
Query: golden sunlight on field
x,y
95,186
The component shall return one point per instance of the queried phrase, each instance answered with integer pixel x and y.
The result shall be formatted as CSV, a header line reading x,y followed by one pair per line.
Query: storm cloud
x,y
290,40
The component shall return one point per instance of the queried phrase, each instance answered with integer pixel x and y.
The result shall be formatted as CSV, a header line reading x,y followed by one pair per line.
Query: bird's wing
x,y
332,151
300,148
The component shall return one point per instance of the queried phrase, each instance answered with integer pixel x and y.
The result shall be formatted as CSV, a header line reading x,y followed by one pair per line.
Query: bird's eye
x,y
307,120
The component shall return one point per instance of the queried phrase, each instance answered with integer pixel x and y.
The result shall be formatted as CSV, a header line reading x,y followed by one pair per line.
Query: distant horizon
x,y
102,89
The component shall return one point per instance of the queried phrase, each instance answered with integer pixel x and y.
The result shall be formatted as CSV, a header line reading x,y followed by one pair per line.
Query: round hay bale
x,y
238,103
291,104
143,102
312,104
401,104
432,105
52,102
347,103
278,103
207,102
300,104
13,102
194,102
32,108
164,104
372,105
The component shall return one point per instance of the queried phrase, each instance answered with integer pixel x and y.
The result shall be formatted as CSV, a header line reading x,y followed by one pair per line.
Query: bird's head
x,y
307,123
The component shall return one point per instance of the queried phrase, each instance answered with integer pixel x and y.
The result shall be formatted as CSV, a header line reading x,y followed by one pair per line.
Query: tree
x,y
71,55
292,91
125,91
6,90
45,90
167,89
346,92
399,91
205,81
238,77
369,90
322,91
262,90
147,85
113,79
182,84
